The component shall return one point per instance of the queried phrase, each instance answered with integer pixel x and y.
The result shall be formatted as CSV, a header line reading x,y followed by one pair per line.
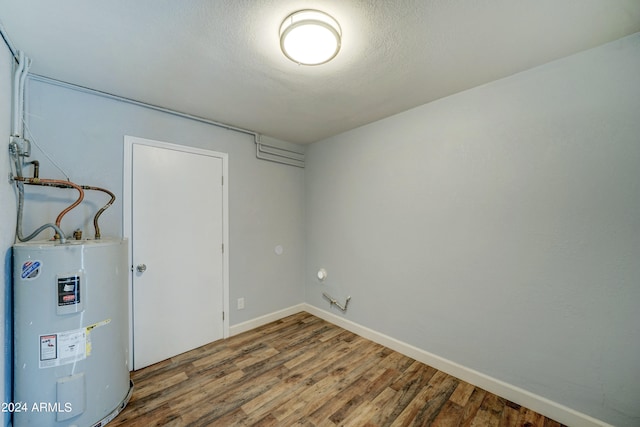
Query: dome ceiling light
x,y
310,37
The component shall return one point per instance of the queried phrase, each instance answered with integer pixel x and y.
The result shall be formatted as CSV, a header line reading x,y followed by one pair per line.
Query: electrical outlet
x,y
240,303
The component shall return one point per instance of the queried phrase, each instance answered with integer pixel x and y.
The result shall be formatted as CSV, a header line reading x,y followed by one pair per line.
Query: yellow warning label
x,y
88,334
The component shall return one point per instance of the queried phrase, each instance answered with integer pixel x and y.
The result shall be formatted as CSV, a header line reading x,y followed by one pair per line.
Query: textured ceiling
x,y
220,59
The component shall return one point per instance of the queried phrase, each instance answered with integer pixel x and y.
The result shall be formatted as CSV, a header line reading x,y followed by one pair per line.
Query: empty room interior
x,y
452,188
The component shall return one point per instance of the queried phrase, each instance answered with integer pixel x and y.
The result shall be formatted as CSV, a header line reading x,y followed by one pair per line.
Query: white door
x,y
177,235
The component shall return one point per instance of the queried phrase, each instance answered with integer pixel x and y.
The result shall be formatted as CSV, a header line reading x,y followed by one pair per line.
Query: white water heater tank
x,y
71,332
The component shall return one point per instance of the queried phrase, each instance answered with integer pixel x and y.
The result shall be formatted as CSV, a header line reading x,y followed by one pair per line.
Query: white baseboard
x,y
546,407
263,320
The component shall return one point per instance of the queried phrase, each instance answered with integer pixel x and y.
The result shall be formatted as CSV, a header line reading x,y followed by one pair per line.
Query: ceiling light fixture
x,y
310,37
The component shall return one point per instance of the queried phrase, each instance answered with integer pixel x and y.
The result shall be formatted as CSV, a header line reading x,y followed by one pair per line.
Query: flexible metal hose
x,y
104,208
40,229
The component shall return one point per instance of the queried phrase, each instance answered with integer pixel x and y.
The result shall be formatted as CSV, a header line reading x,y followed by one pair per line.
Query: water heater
x,y
71,332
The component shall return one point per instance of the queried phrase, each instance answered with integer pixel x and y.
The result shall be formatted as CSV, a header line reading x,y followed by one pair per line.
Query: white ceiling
x,y
221,60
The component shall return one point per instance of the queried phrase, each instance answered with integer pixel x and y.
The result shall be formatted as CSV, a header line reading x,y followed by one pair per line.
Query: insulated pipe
x,y
281,153
277,154
23,78
277,158
104,208
17,114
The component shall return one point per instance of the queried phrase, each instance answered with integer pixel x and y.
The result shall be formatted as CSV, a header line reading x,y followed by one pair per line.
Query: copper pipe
x,y
60,184
104,208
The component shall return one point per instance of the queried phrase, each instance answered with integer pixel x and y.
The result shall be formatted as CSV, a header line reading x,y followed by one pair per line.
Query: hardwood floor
x,y
304,371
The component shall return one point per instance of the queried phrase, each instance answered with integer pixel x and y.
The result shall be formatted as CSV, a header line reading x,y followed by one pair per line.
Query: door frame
x,y
127,220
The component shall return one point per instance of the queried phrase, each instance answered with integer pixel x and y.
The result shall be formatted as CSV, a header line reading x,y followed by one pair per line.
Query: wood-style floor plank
x,y
303,371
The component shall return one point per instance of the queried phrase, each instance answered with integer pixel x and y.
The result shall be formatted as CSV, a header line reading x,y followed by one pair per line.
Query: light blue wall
x,y
7,220
498,228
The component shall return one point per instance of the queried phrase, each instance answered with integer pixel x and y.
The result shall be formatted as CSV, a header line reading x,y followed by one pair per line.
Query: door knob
x,y
141,268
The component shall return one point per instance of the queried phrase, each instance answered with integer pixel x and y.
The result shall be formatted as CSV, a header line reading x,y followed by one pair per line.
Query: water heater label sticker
x,y
30,270
48,347
63,348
